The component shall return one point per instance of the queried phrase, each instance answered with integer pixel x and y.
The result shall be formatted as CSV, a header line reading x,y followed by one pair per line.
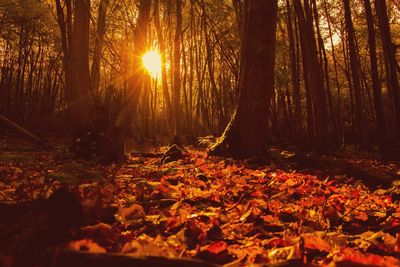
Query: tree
x,y
177,69
101,29
82,105
246,134
295,74
136,78
317,112
362,129
75,45
376,88
164,81
390,68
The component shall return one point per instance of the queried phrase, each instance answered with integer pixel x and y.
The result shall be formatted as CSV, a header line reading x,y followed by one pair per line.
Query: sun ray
x,y
152,62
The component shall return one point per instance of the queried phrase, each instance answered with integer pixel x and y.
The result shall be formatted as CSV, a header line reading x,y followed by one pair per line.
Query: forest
x,y
199,133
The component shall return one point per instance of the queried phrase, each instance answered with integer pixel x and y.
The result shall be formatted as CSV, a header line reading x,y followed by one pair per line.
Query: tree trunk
x,y
164,81
245,135
313,76
98,49
325,64
177,68
136,78
362,129
210,68
337,111
376,88
75,45
390,65
65,44
295,77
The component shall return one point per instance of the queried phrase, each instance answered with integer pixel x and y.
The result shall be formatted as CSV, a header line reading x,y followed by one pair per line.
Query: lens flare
x,y
152,62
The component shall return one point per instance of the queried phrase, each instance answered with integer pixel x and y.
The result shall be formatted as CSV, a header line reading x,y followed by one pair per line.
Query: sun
x,y
152,62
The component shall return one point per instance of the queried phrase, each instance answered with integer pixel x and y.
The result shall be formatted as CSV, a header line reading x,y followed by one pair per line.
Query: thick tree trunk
x,y
82,109
75,47
245,136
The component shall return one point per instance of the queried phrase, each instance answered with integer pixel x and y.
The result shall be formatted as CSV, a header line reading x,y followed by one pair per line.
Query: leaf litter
x,y
214,209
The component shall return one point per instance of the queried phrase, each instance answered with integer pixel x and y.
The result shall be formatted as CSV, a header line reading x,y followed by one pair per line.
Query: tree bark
x,y
177,68
362,129
68,258
376,88
210,68
98,49
314,79
75,45
245,135
390,65
338,119
295,77
164,81
82,106
136,78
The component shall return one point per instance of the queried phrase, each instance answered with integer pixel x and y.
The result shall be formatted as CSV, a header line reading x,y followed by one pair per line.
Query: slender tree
x,y
318,129
390,67
164,82
376,87
98,49
177,69
362,129
136,78
295,76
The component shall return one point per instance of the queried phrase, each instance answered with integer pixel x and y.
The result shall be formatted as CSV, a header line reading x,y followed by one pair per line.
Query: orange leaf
x,y
86,245
217,247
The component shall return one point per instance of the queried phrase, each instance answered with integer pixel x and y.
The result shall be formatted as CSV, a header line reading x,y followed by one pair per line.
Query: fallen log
x,y
24,133
40,225
67,258
371,177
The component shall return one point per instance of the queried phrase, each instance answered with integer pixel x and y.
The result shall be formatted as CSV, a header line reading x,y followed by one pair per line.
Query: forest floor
x,y
215,211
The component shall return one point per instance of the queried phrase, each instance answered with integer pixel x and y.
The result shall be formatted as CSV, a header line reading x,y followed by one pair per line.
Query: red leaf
x,y
217,247
257,194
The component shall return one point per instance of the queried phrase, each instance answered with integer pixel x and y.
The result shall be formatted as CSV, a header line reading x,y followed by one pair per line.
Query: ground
x,y
216,210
